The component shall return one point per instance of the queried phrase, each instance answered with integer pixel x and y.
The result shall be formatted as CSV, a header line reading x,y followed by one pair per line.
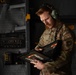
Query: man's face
x,y
47,19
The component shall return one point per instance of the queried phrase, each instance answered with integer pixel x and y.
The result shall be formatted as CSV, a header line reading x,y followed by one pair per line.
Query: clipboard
x,y
50,52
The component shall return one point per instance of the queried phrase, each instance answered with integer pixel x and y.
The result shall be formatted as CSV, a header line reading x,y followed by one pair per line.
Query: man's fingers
x,y
34,61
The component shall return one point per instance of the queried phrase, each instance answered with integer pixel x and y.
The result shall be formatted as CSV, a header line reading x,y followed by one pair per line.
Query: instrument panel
x,y
12,40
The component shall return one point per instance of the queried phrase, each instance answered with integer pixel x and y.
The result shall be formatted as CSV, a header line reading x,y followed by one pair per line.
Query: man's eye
x,y
47,18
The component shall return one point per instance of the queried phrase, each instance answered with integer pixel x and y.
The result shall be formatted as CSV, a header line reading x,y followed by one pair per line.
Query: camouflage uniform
x,y
61,66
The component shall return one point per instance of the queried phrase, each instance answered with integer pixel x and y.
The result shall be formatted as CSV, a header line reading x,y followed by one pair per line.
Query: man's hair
x,y
44,8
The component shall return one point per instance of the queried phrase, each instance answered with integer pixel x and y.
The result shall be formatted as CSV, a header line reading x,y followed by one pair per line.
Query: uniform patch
x,y
69,43
68,35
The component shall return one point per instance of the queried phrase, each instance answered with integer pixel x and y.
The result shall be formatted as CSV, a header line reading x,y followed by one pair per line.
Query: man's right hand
x,y
38,49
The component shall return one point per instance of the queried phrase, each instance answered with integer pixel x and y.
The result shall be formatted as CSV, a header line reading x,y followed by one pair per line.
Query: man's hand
x,y
38,64
38,49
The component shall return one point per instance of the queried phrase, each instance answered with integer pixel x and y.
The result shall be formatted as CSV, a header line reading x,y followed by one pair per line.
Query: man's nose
x,y
45,22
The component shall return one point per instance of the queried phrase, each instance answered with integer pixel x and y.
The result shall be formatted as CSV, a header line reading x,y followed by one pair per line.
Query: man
x,y
62,65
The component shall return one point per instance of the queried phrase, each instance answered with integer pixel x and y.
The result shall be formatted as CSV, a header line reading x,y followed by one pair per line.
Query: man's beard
x,y
49,26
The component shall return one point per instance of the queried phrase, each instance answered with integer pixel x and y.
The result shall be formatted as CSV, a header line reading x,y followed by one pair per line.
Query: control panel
x,y
12,40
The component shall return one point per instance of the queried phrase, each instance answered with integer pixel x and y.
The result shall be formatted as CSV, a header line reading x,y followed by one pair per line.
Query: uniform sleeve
x,y
64,58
